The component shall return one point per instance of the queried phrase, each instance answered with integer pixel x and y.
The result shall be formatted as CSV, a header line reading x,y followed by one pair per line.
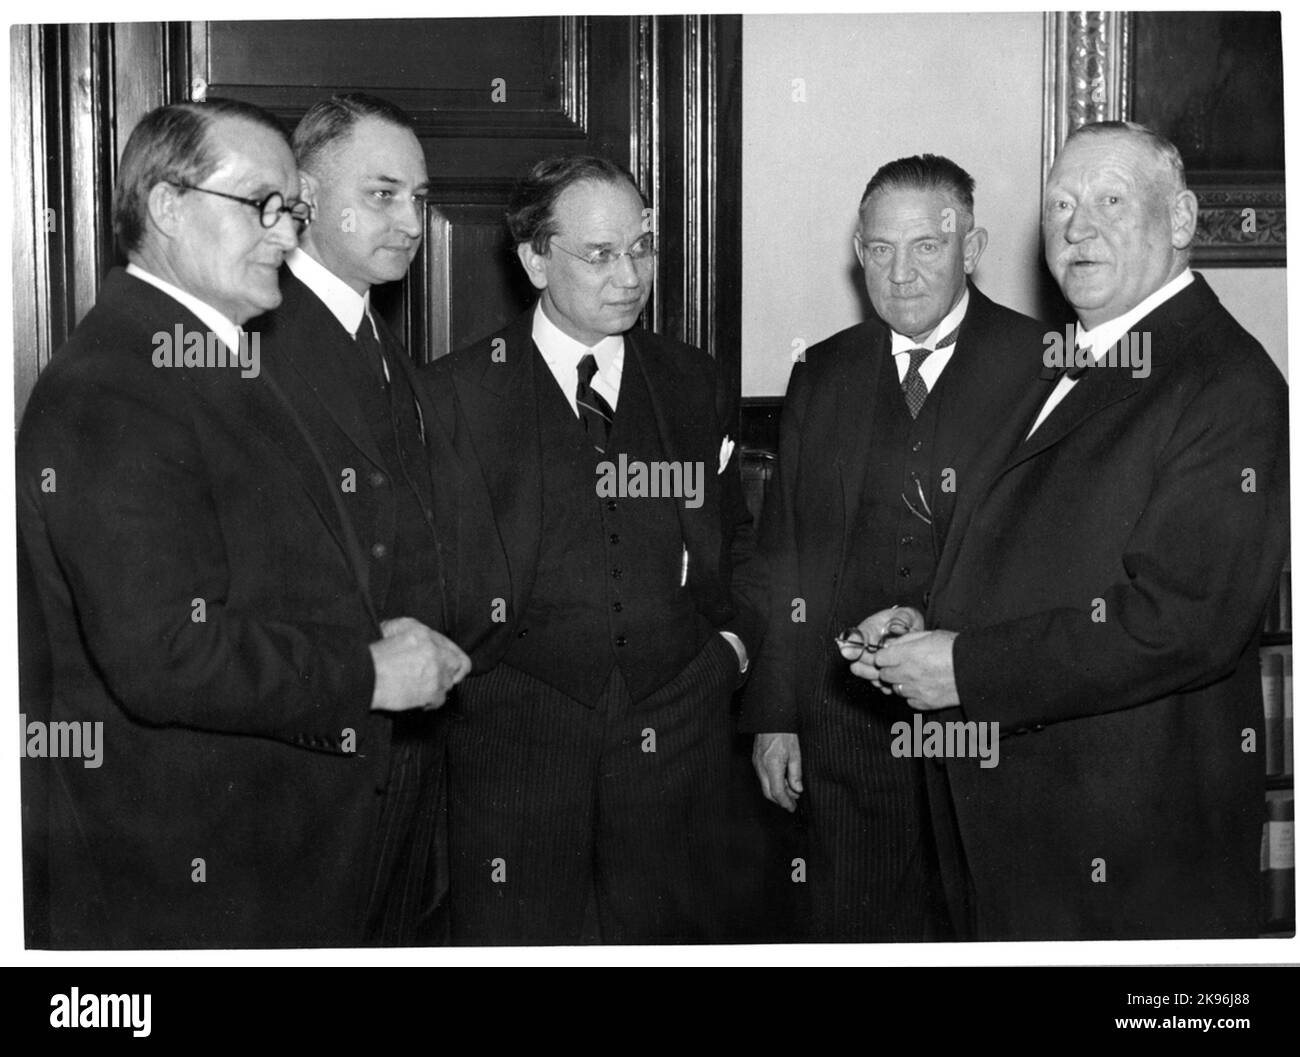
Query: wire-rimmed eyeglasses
x,y
603,259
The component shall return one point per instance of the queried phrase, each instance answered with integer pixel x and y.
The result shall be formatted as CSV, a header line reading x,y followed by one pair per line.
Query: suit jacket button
x,y
904,571
1037,727
377,479
523,633
617,574
621,641
612,504
618,607
378,551
613,537
916,446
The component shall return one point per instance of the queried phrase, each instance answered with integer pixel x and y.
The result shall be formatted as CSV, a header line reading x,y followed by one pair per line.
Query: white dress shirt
x,y
562,354
226,330
344,303
1098,342
932,366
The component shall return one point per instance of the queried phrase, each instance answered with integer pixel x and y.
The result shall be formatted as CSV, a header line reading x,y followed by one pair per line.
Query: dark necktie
x,y
597,416
914,388
1081,362
372,353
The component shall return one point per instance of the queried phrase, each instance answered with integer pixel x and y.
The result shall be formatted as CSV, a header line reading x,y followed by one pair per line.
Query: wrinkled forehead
x,y
1114,156
249,152
595,207
912,209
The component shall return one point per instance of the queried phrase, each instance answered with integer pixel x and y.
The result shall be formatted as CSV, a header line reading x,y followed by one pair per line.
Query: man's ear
x,y
859,249
972,248
309,190
163,208
534,263
1182,215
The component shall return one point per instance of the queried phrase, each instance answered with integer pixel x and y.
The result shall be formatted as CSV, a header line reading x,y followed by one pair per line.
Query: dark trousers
x,y
556,807
872,867
406,904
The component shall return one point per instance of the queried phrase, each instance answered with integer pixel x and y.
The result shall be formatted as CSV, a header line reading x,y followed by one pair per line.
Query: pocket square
x,y
724,454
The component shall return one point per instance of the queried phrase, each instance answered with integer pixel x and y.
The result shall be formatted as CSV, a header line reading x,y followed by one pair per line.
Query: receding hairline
x,y
1171,171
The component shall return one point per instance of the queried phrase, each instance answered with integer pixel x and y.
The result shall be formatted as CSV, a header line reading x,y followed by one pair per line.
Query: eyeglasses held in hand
x,y
852,639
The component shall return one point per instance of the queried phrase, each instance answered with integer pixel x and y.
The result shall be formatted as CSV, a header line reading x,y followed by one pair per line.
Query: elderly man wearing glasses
x,y
212,631
587,755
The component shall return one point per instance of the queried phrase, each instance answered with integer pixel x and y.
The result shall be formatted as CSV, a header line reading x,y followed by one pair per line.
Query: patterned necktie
x,y
597,416
914,389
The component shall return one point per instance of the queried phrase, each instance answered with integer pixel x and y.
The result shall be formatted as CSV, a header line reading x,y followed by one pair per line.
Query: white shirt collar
x,y
227,331
1099,340
901,343
557,347
562,353
344,303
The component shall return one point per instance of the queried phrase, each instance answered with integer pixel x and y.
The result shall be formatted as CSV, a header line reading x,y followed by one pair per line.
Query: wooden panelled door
x,y
489,97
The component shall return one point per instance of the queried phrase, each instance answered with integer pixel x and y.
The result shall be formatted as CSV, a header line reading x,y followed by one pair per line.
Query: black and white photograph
x,y
667,486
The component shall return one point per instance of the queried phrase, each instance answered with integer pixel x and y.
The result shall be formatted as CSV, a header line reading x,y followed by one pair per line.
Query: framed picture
x,y
1211,81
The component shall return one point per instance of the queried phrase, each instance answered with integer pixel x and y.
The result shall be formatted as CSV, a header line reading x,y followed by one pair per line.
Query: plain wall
x,y
877,87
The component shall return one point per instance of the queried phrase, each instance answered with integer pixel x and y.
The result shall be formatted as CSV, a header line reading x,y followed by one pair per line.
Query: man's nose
x,y
1080,225
900,269
283,233
625,272
409,219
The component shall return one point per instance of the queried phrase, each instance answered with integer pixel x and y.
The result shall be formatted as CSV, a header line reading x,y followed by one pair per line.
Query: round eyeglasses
x,y
269,209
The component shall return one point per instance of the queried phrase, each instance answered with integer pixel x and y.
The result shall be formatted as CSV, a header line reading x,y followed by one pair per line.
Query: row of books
x,y
1279,745
1277,860
1278,616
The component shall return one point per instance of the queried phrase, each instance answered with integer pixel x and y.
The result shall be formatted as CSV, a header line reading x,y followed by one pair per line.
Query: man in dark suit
x,y
587,755
197,568
353,385
1101,603
885,424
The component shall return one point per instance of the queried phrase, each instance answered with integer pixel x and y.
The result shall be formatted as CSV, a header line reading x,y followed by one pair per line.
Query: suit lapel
x,y
683,437
499,397
315,346
858,391
262,404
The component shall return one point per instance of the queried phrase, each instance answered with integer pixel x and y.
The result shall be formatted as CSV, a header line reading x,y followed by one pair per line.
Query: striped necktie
x,y
597,416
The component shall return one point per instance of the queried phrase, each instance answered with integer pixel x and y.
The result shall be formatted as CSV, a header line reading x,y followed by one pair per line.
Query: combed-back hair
x,y
924,172
333,119
171,145
1163,147
530,213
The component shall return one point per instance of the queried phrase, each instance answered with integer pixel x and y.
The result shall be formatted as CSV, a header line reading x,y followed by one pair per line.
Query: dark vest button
x,y
378,551
617,574
618,607
377,479
611,504
523,633
916,446
907,541
904,571
621,641
613,537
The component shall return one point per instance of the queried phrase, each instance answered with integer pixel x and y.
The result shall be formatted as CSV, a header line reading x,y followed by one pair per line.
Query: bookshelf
x,y
1277,843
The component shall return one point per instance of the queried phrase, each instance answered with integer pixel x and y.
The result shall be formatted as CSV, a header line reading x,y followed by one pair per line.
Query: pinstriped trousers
x,y
872,867
554,804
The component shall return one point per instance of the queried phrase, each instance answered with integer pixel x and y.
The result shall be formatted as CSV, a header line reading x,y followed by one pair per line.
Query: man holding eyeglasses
x,y
587,754
885,424
212,642
349,378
